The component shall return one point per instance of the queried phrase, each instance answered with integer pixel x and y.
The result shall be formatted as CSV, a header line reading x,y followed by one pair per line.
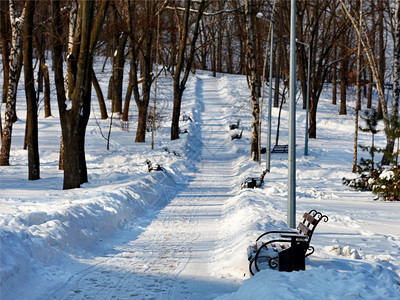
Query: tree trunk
x,y
125,114
358,93
343,77
220,39
177,76
179,85
46,76
32,122
10,112
118,74
334,57
396,76
370,88
173,46
312,131
381,61
72,56
277,76
74,120
146,71
250,42
373,38
5,49
229,60
100,97
142,121
279,120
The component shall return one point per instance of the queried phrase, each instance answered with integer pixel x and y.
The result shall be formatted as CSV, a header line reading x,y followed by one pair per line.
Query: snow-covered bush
x,y
385,183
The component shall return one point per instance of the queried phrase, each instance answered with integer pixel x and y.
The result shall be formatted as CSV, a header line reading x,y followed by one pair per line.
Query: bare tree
x,y
322,38
184,63
74,120
141,41
120,38
365,41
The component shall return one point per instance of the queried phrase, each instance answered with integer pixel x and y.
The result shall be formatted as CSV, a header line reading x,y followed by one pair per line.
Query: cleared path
x,y
171,258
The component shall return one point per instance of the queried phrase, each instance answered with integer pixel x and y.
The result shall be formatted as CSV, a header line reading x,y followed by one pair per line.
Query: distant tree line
x,y
353,43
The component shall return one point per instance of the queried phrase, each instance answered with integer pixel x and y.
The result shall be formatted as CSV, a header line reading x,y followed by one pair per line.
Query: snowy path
x,y
171,258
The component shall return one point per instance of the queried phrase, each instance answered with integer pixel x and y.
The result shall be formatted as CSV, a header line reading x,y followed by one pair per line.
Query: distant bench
x,y
280,149
252,183
152,168
290,256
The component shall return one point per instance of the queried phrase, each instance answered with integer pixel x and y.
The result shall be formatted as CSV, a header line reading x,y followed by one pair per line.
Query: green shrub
x,y
386,184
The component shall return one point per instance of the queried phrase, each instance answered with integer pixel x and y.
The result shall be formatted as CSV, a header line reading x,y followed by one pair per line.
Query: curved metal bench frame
x,y
300,239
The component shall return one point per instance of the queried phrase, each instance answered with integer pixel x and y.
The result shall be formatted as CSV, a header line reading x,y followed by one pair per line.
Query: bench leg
x,y
292,259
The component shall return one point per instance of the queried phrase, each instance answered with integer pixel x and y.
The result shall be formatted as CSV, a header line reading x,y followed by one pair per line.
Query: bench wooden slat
x,y
304,229
280,149
310,219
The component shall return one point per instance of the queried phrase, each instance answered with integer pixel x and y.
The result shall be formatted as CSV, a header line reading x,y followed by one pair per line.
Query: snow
x,y
183,233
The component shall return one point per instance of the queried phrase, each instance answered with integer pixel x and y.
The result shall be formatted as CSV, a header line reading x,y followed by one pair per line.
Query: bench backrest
x,y
310,222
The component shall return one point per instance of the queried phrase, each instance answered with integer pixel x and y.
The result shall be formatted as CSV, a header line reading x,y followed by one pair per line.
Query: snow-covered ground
x,y
183,233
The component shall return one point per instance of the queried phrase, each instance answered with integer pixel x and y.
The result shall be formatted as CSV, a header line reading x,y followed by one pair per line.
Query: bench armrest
x,y
274,232
294,235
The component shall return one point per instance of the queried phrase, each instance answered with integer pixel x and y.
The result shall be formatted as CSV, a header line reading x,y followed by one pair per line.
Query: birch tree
x,y
10,111
250,43
71,56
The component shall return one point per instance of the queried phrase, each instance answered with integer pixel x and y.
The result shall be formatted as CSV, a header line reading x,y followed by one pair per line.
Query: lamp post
x,y
291,205
268,148
308,96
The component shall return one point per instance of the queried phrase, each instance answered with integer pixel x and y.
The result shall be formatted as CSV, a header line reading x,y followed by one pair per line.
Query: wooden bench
x,y
280,149
152,168
236,136
234,126
252,183
286,250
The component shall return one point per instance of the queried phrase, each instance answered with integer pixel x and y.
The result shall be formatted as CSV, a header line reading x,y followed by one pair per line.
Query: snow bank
x,y
377,283
42,225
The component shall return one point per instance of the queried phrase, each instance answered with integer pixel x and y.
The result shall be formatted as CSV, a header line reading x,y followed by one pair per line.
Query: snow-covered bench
x,y
234,125
286,250
151,168
280,149
252,183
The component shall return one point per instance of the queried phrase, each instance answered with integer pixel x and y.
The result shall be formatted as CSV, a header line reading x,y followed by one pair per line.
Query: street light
x,y
308,95
291,205
268,149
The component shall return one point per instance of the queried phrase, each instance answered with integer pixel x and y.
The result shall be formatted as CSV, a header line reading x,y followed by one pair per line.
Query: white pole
x,y
291,205
308,101
270,99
